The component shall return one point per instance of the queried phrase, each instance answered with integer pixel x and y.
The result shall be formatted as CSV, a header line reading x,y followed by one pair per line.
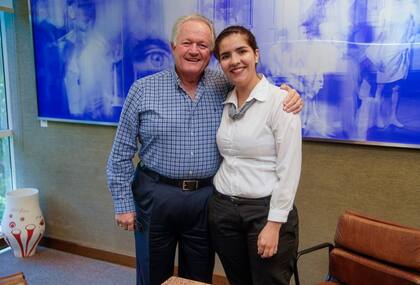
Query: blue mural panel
x,y
355,62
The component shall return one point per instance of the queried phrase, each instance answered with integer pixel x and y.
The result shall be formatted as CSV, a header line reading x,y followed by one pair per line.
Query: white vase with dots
x,y
23,224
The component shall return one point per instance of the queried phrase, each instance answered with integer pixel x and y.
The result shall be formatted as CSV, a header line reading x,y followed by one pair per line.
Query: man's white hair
x,y
192,17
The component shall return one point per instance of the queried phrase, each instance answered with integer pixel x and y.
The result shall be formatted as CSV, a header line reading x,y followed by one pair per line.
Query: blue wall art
x,y
356,63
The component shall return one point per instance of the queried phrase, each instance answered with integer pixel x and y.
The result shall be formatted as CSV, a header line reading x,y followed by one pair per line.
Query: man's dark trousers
x,y
167,216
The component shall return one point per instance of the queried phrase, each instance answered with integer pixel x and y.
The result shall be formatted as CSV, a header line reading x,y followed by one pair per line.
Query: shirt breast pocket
x,y
150,124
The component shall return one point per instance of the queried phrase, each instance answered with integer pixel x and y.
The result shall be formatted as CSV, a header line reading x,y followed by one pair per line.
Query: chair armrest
x,y
315,248
306,251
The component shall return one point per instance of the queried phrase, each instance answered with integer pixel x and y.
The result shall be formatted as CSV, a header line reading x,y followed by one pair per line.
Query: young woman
x,y
253,222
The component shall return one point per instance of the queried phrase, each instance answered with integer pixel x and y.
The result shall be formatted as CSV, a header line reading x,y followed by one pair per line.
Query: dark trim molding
x,y
88,251
103,255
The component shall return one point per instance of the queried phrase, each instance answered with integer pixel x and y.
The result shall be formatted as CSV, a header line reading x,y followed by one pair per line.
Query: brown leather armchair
x,y
369,251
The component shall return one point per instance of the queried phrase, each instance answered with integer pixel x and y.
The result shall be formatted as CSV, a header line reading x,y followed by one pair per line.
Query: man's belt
x,y
184,184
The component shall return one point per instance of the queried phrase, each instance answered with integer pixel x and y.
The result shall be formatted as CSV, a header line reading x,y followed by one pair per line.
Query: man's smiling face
x,y
192,49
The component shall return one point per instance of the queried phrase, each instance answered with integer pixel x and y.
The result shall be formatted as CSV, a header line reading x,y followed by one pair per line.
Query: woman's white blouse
x,y
262,151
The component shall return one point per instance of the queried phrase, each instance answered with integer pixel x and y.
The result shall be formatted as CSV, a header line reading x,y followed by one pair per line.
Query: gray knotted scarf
x,y
236,114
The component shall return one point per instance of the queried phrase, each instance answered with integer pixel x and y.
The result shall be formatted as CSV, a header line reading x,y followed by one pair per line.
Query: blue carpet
x,y
53,267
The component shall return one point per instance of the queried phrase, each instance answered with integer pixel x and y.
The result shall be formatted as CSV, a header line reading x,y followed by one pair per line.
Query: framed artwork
x,y
356,63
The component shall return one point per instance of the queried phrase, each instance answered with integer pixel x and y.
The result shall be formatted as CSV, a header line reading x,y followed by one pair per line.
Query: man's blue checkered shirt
x,y
177,136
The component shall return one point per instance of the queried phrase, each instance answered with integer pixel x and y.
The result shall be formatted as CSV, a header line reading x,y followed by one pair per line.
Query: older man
x,y
174,115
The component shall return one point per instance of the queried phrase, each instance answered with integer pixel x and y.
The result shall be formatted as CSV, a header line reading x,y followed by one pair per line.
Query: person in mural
x,y
391,56
48,57
310,54
174,115
252,218
92,53
301,69
146,50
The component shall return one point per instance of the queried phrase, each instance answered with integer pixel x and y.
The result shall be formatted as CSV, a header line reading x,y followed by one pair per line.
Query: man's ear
x,y
173,46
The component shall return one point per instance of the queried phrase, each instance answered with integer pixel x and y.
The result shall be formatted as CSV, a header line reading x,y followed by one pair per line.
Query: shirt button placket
x,y
233,159
192,107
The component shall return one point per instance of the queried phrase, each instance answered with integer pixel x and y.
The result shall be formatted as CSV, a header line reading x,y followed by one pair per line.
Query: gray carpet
x,y
53,267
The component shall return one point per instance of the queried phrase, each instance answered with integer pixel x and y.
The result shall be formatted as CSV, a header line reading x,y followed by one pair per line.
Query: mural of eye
x,y
22,219
157,58
42,222
12,225
10,216
150,56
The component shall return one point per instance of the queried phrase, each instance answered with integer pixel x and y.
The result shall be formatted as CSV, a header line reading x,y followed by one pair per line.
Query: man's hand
x,y
126,221
293,102
268,239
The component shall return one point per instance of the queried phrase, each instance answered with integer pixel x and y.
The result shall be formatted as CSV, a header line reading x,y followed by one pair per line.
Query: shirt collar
x,y
177,80
259,92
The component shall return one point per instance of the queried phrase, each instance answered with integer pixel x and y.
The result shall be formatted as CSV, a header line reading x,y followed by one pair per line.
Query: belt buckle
x,y
189,185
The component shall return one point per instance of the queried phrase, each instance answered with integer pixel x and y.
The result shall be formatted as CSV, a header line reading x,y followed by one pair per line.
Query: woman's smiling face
x,y
238,59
